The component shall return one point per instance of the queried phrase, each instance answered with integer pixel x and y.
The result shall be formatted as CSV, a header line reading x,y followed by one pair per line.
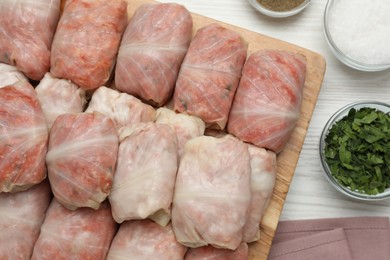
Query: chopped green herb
x,y
184,104
6,57
357,150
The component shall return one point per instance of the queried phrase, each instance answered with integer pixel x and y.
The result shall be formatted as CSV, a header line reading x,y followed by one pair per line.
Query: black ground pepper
x,y
280,5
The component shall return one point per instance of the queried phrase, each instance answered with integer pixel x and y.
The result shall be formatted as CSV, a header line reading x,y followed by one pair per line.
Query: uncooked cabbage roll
x,y
59,96
186,127
26,32
212,253
145,175
263,177
145,240
23,138
86,41
21,217
10,75
152,49
78,235
267,104
122,108
209,75
81,159
212,193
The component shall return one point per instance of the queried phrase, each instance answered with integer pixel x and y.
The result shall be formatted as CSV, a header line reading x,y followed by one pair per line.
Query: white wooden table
x,y
310,194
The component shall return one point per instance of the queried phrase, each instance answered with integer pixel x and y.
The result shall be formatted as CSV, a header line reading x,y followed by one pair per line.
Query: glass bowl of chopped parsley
x,y
281,8
355,150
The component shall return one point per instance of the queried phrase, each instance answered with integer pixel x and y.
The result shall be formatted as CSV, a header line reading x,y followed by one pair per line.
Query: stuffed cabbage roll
x,y
145,240
21,217
152,50
26,33
212,253
87,39
268,100
122,108
81,159
10,75
212,193
186,127
59,96
209,75
263,177
81,234
23,138
145,175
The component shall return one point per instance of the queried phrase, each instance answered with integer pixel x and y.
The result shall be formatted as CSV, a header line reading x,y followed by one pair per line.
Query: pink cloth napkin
x,y
354,238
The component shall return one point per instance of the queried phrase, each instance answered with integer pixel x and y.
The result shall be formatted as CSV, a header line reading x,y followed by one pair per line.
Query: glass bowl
x,y
336,117
336,49
279,14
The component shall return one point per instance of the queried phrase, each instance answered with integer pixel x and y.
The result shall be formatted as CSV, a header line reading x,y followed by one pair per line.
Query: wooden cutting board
x,y
287,160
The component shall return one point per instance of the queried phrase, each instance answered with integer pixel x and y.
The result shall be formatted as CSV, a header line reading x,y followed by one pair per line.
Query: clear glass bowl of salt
x,y
358,33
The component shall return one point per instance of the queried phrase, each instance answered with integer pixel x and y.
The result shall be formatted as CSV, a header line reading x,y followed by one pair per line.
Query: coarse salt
x,y
361,29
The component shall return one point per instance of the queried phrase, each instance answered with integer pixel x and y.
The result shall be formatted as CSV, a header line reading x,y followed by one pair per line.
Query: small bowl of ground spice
x,y
357,32
279,8
355,150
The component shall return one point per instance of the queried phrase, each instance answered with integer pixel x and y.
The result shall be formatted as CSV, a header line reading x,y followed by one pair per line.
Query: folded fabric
x,y
327,245
332,238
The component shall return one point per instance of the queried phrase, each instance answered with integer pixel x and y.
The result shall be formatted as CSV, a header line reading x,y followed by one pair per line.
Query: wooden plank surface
x,y
288,158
